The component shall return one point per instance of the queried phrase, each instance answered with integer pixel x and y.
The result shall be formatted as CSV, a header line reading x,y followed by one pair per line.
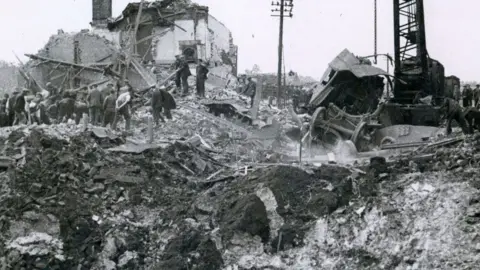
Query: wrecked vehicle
x,y
345,104
348,105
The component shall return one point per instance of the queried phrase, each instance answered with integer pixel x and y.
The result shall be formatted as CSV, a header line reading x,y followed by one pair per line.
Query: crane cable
x,y
375,31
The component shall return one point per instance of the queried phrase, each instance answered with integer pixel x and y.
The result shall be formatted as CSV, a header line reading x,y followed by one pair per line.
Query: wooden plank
x,y
144,39
133,38
63,63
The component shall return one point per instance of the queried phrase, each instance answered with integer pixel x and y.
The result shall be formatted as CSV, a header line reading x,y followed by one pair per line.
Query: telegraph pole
x,y
282,6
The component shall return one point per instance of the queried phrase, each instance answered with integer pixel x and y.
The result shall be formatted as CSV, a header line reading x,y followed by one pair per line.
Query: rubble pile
x,y
73,203
90,199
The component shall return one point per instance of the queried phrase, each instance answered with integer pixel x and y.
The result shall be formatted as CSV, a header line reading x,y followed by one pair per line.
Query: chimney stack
x,y
101,11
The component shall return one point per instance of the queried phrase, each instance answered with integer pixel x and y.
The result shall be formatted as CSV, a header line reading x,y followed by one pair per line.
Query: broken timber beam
x,y
161,83
63,63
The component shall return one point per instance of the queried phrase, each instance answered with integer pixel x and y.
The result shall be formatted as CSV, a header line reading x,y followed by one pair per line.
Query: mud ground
x,y
68,202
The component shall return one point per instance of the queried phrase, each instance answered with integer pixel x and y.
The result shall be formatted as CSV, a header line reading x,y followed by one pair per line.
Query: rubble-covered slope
x,y
70,203
203,197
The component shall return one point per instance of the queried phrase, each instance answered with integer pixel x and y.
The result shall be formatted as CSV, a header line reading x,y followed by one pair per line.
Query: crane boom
x,y
422,75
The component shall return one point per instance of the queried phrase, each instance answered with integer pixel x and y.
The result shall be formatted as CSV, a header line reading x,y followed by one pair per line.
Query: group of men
x,y
183,72
55,106
469,97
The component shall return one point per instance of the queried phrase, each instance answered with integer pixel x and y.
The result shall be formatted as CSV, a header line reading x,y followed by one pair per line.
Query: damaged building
x,y
165,29
168,28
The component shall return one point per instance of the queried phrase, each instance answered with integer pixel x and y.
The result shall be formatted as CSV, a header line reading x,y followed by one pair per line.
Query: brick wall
x,y
101,11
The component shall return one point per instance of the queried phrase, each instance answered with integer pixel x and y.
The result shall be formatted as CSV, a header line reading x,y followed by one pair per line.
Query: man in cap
x,y
456,93
122,107
467,96
472,116
51,89
202,72
250,90
453,111
81,108
169,103
476,95
184,74
19,108
177,65
157,103
105,91
10,107
109,108
3,112
94,101
3,103
66,107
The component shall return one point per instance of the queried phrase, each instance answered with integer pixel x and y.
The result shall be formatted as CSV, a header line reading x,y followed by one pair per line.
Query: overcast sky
x,y
318,31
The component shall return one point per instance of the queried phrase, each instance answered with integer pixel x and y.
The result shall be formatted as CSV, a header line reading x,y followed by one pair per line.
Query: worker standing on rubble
x,y
10,107
296,95
168,103
66,107
184,74
3,112
42,111
476,95
453,111
52,90
94,101
202,72
250,90
33,107
109,108
456,93
157,103
472,116
467,96
122,107
81,108
105,91
177,65
3,103
19,108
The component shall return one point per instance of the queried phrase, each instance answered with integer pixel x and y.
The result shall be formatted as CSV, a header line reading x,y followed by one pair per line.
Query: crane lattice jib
x,y
410,41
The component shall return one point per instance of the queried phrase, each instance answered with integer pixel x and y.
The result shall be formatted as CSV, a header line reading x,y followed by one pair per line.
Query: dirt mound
x,y
90,195
74,202
277,204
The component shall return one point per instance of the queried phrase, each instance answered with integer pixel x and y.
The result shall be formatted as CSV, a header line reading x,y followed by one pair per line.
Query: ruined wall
x,y
111,36
164,44
8,77
144,42
166,41
201,34
92,47
218,39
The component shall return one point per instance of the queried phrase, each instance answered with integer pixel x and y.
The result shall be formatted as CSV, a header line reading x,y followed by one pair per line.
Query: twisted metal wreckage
x,y
356,86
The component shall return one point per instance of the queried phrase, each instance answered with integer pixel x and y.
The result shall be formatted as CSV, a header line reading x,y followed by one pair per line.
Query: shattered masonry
x,y
182,29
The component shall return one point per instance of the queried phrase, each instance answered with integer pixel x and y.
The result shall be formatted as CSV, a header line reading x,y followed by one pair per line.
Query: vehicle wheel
x,y
387,140
326,135
358,136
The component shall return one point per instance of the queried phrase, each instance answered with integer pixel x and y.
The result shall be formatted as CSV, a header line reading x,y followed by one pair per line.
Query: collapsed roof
x,y
350,82
159,8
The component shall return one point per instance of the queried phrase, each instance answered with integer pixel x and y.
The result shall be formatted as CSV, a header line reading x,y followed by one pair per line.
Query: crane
x,y
417,75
